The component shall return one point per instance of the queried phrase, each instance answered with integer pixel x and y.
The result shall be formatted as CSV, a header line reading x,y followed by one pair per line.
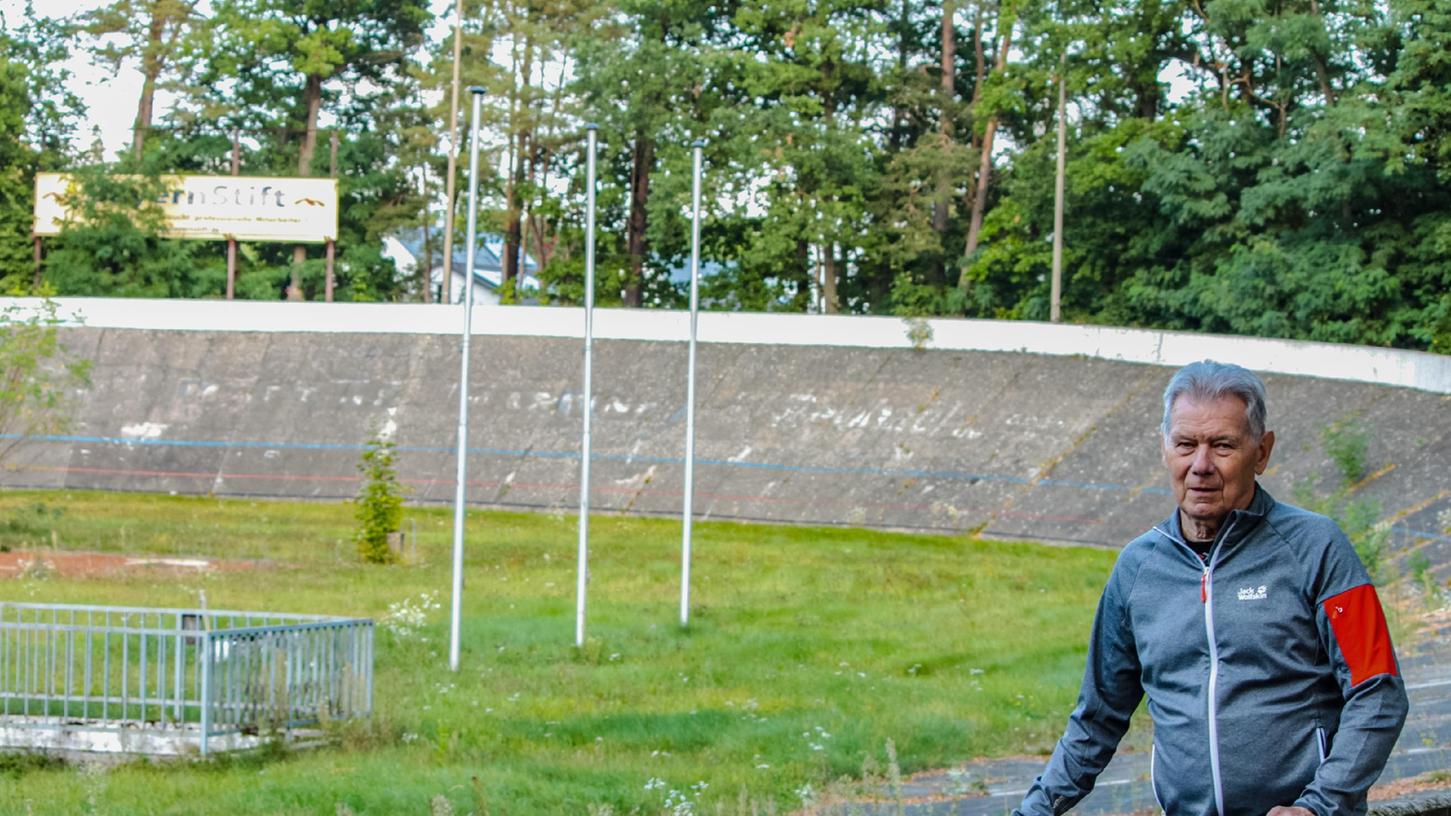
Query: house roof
x,y
488,257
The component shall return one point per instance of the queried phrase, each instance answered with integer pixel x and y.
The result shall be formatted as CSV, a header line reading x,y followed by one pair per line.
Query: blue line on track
x,y
903,473
910,473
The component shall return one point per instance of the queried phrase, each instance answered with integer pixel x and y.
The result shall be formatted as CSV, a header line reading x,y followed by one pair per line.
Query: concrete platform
x,y
95,740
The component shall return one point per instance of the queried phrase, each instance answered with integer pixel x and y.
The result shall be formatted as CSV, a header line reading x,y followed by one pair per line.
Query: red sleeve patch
x,y
1360,630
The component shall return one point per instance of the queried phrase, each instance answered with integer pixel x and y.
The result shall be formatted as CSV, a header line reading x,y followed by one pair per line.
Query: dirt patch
x,y
20,563
1439,781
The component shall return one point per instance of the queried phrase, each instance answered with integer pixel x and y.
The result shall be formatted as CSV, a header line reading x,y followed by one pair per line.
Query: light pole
x,y
687,515
461,483
589,305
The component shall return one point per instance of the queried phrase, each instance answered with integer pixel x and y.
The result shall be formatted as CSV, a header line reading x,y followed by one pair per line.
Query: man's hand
x,y
1289,811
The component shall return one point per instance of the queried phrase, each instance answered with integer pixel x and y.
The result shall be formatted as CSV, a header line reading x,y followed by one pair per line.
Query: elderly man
x,y
1252,626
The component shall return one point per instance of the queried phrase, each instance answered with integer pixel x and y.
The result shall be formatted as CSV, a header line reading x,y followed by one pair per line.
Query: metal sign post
x,y
463,390
589,306
232,242
331,243
688,513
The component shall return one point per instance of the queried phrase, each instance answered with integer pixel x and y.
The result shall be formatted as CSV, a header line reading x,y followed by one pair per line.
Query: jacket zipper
x,y
1206,594
1154,782
1207,588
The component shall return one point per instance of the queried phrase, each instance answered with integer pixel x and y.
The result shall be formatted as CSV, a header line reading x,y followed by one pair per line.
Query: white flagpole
x,y
589,305
461,483
688,513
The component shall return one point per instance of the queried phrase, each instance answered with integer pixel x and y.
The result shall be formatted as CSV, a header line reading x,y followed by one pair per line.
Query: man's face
x,y
1212,458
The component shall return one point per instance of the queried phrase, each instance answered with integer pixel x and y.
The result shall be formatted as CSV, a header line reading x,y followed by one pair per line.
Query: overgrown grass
x,y
808,650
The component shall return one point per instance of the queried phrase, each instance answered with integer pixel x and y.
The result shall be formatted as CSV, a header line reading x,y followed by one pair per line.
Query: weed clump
x,y
1345,442
18,763
379,502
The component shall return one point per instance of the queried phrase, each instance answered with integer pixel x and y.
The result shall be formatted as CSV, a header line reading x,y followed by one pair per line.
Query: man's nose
x,y
1203,462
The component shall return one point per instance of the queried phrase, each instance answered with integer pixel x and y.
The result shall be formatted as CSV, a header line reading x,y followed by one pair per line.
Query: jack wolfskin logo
x,y
1258,593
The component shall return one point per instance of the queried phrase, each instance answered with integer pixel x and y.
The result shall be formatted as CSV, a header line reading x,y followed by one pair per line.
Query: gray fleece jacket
x,y
1269,671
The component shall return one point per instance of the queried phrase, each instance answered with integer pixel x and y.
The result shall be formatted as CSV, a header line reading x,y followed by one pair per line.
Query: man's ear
x,y
1262,453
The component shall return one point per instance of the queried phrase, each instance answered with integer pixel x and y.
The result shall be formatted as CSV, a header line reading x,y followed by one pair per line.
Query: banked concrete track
x,y
1007,429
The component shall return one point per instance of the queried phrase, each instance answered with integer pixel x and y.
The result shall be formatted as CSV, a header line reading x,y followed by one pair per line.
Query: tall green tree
x,y
1275,167
149,33
917,213
38,120
1419,156
813,72
17,178
282,64
651,76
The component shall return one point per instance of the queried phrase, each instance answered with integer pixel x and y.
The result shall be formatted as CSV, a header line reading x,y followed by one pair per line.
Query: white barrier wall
x,y
1382,366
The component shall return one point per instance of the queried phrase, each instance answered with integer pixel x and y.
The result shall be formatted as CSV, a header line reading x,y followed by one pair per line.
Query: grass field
x,y
809,650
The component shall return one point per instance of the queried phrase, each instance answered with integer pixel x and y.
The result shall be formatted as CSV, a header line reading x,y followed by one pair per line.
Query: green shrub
x,y
379,504
1420,565
1345,442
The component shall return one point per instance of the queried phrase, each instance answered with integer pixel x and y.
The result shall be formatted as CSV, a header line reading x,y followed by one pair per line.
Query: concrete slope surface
x,y
1007,444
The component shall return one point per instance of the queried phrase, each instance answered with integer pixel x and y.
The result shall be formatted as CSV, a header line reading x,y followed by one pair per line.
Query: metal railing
x,y
202,673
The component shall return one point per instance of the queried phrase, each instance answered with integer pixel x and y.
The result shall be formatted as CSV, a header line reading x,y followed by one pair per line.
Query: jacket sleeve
x,y
1110,692
1353,633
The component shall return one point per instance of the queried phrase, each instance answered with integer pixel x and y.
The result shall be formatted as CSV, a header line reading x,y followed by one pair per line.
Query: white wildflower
x,y
406,617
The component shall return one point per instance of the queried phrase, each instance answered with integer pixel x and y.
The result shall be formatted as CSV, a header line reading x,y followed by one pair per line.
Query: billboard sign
x,y
215,208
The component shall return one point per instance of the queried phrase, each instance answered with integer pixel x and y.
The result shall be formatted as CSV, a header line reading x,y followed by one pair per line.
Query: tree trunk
x,y
539,224
1322,73
151,64
979,193
828,278
985,158
546,235
808,272
312,102
539,159
944,124
513,227
904,44
425,274
513,230
979,58
1147,101
642,165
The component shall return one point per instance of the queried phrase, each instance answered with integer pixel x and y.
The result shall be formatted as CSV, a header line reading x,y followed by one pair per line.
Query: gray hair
x,y
1208,380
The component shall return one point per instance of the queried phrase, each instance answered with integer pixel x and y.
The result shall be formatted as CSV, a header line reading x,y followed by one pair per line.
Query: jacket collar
x,y
1237,525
